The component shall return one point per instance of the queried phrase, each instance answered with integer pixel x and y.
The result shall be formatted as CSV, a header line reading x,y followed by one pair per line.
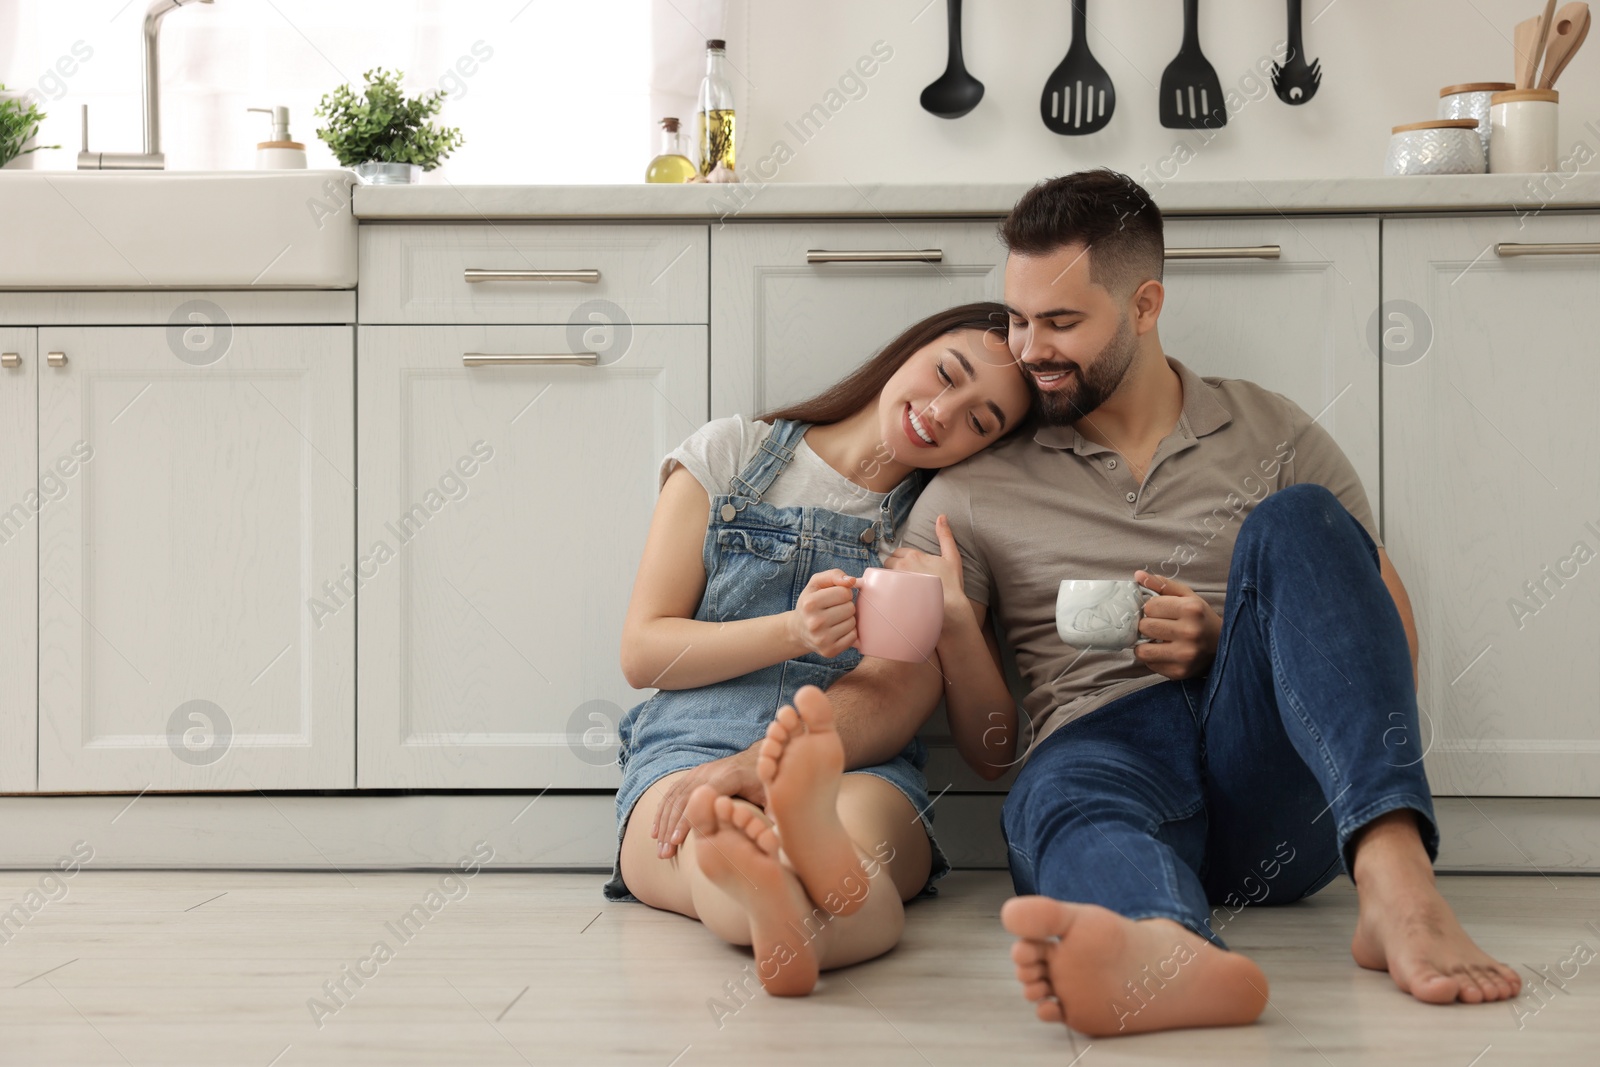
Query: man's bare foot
x,y
1406,928
801,764
738,851
1104,975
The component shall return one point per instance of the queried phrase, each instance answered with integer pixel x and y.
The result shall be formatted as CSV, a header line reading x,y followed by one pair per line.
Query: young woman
x,y
742,613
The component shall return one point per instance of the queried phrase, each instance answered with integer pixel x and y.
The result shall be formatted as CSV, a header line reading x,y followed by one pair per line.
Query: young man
x,y
1247,751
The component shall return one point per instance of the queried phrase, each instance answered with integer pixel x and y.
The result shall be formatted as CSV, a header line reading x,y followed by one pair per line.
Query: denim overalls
x,y
758,559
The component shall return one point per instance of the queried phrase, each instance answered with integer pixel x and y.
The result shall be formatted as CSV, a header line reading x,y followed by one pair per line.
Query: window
x,y
543,91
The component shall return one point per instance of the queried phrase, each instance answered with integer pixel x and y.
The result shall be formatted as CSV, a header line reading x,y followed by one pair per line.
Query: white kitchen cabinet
x,y
1492,482
503,512
532,273
20,503
191,630
784,328
1294,324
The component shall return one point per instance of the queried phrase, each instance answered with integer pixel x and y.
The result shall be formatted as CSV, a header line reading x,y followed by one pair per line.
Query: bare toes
x,y
1511,978
1031,972
755,828
790,720
1037,991
1049,1011
1024,952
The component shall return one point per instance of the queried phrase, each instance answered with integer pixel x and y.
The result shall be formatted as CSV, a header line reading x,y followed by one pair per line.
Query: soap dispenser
x,y
280,153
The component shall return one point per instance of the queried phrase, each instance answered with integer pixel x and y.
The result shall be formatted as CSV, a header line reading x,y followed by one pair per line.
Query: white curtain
x,y
544,91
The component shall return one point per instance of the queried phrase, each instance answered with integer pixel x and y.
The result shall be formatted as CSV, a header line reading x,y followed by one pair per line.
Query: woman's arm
x,y
982,713
665,647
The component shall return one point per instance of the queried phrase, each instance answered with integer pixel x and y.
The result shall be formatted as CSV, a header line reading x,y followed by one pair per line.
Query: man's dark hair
x,y
1107,212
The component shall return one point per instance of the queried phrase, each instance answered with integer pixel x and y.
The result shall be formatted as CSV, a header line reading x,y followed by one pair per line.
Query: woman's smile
x,y
917,431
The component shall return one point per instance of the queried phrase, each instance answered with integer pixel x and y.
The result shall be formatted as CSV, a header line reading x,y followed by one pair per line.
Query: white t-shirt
x,y
722,448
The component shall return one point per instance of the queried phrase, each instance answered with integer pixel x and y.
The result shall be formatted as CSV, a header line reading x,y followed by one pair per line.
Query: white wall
x,y
1383,64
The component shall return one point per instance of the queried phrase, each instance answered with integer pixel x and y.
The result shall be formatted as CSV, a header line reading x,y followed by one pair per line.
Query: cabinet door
x,y
193,629
503,512
784,328
1295,324
1492,476
20,504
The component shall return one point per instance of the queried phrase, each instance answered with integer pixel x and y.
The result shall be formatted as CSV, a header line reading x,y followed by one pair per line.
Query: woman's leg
x,y
676,884
892,856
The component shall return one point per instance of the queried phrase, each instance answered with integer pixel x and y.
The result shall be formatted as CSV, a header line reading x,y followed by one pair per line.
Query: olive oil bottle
x,y
672,166
715,117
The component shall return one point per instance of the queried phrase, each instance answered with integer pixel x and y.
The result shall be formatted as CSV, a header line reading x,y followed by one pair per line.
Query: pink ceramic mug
x,y
898,614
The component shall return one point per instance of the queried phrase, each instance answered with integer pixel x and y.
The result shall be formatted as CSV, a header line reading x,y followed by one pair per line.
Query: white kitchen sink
x,y
175,230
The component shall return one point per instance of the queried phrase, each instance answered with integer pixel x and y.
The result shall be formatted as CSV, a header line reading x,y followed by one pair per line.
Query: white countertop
x,y
1456,192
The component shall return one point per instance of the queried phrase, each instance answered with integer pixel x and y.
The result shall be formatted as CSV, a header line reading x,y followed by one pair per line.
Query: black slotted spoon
x,y
1191,95
1296,81
1078,96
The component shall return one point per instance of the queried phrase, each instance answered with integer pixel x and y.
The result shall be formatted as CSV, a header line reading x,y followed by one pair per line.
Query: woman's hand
x,y
946,567
824,617
730,776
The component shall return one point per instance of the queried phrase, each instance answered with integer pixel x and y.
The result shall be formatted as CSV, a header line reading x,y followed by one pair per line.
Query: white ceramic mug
x,y
1101,614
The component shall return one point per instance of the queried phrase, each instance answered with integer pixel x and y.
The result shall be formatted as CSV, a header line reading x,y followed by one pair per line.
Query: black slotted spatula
x,y
1078,96
1191,95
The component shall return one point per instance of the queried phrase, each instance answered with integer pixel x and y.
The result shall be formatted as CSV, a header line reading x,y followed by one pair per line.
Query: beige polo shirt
x,y
1047,504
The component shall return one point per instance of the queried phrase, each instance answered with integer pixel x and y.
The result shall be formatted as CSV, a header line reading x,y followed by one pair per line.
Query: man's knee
x,y
1300,514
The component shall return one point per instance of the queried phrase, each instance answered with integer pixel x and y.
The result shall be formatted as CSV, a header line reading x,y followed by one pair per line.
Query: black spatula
x,y
1191,95
1078,96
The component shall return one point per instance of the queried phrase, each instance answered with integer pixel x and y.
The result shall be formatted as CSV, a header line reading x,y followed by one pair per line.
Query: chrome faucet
x,y
151,158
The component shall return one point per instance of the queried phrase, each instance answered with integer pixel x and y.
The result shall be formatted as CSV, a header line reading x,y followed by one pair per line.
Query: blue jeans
x,y
1245,785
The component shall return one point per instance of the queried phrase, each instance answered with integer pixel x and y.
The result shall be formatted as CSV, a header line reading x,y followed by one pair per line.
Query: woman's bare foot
x,y
801,764
738,852
1406,928
1104,975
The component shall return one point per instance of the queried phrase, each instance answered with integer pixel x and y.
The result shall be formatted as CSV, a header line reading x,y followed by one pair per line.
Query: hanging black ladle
x,y
955,92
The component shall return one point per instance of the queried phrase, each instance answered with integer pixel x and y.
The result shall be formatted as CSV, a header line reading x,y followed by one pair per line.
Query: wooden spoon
x,y
1523,44
1539,40
1566,37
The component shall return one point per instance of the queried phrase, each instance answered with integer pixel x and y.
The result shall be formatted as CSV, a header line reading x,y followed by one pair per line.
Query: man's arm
x,y
877,709
1402,603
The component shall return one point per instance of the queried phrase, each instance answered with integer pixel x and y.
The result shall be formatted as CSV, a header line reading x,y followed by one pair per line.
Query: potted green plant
x,y
383,135
19,129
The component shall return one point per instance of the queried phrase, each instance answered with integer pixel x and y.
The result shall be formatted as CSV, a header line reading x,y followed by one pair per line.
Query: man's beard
x,y
1092,387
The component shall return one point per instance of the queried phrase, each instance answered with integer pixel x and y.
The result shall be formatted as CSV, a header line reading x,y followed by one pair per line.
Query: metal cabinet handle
x,y
57,359
485,359
1234,252
10,360
1570,249
888,255
478,274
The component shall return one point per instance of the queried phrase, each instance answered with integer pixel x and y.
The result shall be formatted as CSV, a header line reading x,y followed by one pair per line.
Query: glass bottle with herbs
x,y
715,117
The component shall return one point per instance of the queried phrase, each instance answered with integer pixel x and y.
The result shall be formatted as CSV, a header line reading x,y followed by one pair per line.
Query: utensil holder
x,y
1523,127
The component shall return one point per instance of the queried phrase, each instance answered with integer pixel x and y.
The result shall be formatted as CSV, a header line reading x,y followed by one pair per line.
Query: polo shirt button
x,y
1132,497
1111,464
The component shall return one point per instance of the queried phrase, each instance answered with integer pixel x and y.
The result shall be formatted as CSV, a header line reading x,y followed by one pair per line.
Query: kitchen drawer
x,y
423,274
802,304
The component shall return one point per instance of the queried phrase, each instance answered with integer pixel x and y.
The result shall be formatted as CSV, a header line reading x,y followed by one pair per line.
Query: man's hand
x,y
730,776
1182,628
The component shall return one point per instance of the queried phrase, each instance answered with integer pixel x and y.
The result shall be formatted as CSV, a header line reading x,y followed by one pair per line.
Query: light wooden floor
x,y
214,968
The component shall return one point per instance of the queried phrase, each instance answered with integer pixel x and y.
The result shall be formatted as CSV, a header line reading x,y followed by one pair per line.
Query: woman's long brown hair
x,y
862,385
